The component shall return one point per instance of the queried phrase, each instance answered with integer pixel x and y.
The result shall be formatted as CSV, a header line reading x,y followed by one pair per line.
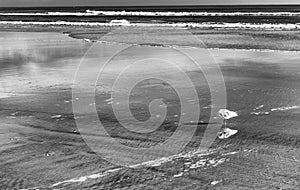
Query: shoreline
x,y
223,39
217,42
181,25
190,47
89,35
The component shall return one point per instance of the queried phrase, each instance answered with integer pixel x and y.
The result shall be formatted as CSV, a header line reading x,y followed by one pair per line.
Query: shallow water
x,y
262,87
31,62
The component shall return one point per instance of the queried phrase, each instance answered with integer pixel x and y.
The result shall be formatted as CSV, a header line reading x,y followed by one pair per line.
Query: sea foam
x,y
183,24
150,13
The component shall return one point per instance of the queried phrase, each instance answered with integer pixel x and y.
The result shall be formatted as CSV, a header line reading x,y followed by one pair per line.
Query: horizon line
x,y
155,5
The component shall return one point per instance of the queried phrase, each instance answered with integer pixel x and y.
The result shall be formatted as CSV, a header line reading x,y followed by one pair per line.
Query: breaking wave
x,y
151,13
183,24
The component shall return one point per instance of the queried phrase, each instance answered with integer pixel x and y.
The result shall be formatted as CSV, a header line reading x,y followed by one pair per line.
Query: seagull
x,y
226,133
226,115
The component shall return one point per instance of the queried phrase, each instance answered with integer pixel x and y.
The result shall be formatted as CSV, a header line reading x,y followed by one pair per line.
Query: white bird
x,y
226,132
227,114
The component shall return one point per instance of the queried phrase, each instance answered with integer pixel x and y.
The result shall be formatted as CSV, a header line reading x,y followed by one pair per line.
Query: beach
x,y
42,146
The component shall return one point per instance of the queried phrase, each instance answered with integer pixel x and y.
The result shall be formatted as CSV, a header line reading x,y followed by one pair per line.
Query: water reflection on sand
x,y
34,60
37,60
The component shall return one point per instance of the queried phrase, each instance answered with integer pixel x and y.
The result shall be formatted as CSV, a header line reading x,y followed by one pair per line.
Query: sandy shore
x,y
285,40
41,146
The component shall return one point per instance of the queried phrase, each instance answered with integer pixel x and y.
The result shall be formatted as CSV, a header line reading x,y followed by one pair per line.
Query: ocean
x,y
268,14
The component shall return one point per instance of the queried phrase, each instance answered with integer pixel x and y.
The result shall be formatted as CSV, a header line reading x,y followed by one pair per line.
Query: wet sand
x,y
41,145
285,40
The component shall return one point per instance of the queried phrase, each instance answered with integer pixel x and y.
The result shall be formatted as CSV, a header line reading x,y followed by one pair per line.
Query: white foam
x,y
184,13
180,25
151,13
163,160
179,175
87,40
230,153
201,163
260,113
208,163
85,178
216,162
152,163
56,116
285,108
259,107
49,14
215,182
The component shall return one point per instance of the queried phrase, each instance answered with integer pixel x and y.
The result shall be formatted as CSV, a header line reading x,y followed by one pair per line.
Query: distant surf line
x,y
150,13
182,25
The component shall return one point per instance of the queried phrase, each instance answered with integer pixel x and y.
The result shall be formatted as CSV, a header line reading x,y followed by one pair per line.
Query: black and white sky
x,y
22,3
